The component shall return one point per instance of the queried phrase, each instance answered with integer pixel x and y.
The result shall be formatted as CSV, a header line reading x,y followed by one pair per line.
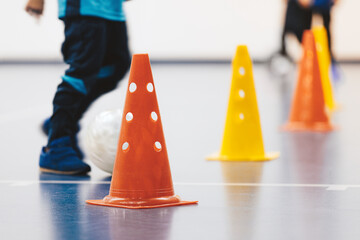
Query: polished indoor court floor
x,y
311,192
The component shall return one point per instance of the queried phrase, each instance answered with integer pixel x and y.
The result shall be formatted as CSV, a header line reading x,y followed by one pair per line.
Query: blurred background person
x,y
299,16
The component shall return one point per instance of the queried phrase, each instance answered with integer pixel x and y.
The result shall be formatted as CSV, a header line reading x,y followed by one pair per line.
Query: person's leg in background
x,y
297,19
326,20
335,69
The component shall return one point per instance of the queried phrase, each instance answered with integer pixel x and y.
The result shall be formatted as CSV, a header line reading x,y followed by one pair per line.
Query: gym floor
x,y
311,192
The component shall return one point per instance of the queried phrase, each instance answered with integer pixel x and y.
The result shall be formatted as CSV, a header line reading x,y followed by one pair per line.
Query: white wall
x,y
174,29
23,38
346,30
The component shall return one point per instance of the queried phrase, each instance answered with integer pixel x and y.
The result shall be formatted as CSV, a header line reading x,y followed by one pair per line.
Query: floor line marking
x,y
333,187
21,183
337,188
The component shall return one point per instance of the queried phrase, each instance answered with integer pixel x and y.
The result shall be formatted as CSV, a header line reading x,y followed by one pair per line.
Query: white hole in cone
x,y
125,146
132,87
241,116
129,116
154,116
241,93
150,87
242,71
157,146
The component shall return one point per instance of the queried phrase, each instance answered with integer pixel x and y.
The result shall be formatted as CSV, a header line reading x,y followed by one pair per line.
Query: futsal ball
x,y
101,139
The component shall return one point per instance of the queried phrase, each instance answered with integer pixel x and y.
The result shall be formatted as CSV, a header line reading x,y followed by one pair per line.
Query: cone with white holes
x,y
242,139
141,176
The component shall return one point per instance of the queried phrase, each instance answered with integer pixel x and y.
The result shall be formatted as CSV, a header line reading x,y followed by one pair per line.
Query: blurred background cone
x,y
308,112
324,59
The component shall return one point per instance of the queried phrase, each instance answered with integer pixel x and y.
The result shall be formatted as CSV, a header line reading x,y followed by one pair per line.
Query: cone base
x,y
266,157
302,127
109,201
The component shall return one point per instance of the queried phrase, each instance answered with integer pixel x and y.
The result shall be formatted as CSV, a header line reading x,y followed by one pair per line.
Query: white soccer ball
x,y
101,139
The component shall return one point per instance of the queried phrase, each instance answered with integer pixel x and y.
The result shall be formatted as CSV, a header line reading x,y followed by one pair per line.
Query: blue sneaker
x,y
45,127
60,157
76,147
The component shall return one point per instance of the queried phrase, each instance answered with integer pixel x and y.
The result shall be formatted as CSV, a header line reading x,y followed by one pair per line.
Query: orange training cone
x,y
141,176
308,106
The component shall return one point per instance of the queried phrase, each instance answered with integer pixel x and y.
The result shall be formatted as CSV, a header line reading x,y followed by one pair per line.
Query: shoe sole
x,y
63,172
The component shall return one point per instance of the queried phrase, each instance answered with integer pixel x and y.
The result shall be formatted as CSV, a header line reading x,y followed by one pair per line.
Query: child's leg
x,y
84,51
115,65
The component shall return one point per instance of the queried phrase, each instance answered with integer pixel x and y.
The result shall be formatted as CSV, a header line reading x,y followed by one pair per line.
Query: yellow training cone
x,y
323,53
242,139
